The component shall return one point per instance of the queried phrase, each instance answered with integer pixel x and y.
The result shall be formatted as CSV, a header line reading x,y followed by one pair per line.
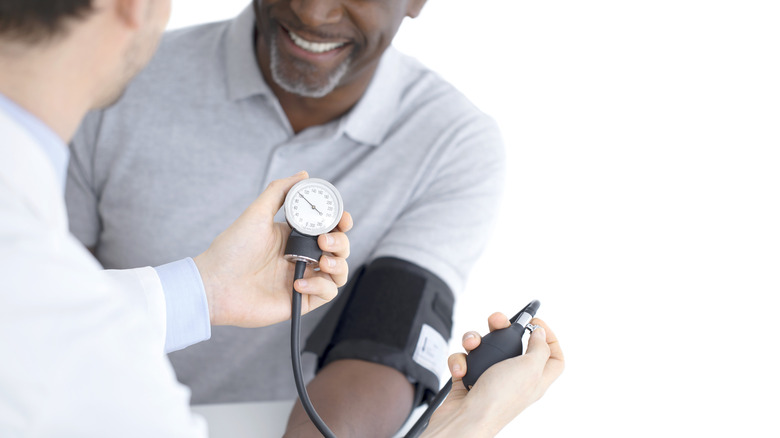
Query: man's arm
x,y
355,399
437,238
392,327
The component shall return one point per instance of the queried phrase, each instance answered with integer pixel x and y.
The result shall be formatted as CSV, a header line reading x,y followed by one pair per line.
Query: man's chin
x,y
303,87
302,79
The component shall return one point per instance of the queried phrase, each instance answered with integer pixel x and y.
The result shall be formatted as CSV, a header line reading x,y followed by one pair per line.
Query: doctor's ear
x,y
414,7
132,13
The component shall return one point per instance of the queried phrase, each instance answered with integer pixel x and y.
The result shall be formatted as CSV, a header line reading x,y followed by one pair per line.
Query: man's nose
x,y
315,13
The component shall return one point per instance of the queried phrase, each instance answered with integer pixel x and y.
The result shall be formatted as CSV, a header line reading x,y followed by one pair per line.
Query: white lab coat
x,y
81,349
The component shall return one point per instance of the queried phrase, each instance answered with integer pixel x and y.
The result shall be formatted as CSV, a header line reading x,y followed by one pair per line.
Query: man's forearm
x,y
355,399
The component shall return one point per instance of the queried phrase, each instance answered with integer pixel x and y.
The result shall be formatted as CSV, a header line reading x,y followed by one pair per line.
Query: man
x,y
226,107
83,348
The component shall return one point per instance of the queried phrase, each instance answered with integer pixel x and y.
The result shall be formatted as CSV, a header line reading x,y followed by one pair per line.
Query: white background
x,y
641,204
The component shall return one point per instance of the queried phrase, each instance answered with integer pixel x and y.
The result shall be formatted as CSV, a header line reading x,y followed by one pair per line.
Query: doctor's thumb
x,y
272,198
537,345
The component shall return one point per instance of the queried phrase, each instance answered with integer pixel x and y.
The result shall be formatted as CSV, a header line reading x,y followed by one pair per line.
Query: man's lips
x,y
314,47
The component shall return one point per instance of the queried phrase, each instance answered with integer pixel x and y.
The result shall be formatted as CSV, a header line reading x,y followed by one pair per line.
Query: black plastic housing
x,y
495,347
302,245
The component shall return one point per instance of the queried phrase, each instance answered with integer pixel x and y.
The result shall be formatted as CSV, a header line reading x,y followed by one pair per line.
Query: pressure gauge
x,y
313,207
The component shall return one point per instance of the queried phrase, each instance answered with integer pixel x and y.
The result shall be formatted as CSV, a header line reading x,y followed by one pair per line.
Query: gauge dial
x,y
313,207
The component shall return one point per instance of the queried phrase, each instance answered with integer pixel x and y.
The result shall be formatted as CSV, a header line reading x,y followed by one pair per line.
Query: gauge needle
x,y
312,205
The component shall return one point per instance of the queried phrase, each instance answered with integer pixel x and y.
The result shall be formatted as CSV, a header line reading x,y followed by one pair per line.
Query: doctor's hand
x,y
502,391
249,283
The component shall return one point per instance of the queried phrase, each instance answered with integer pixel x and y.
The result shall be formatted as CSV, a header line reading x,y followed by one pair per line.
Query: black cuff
x,y
381,316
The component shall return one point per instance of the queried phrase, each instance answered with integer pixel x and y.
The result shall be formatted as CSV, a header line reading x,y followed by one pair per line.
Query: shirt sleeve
x,y
82,354
186,306
448,222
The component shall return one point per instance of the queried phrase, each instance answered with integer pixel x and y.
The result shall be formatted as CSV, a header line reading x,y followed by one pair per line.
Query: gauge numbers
x,y
313,207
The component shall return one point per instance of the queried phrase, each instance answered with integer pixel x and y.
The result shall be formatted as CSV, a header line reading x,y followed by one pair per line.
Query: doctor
x,y
69,330
82,348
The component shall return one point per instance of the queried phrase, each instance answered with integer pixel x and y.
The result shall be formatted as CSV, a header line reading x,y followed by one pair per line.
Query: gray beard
x,y
297,78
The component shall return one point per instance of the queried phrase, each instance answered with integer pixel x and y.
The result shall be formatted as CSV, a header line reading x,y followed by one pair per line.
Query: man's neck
x,y
47,83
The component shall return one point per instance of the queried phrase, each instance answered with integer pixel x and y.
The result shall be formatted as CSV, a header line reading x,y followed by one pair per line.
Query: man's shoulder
x,y
417,80
423,90
200,39
185,57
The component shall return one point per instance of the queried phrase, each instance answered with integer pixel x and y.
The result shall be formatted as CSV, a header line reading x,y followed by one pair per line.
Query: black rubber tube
x,y
295,353
422,422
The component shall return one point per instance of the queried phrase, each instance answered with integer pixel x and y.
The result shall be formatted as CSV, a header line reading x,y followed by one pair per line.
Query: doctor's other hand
x,y
503,390
249,283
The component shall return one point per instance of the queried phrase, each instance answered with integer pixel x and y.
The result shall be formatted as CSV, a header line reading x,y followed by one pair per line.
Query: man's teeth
x,y
313,47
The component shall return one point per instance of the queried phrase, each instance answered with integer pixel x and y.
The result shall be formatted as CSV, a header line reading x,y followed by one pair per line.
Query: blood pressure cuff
x,y
394,313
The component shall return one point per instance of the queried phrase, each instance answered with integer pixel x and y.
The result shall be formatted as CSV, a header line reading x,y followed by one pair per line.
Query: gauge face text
x,y
313,207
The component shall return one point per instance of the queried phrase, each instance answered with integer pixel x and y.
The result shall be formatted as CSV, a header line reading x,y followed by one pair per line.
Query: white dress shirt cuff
x,y
186,306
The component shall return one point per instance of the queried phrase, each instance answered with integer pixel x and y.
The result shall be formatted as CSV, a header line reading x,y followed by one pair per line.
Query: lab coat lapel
x,y
27,172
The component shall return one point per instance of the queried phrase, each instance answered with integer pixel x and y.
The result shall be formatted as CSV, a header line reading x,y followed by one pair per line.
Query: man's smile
x,y
307,63
314,47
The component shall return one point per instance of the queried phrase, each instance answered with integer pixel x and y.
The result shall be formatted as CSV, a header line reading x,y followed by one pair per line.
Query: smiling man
x,y
226,107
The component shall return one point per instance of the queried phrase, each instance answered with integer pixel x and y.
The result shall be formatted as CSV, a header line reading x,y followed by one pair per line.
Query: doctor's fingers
x,y
336,243
317,290
336,267
319,287
345,224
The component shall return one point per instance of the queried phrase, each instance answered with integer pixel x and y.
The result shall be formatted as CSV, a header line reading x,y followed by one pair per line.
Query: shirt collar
x,y
368,122
49,142
243,74
372,117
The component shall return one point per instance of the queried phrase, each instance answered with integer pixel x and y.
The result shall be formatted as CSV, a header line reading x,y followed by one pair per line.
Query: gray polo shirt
x,y
199,134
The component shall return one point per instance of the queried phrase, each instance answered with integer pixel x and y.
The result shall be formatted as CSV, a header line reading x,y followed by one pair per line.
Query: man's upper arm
x,y
81,191
446,226
439,236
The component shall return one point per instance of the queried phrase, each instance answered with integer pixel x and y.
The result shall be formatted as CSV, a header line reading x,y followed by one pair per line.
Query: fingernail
x,y
329,240
456,368
302,283
468,336
331,262
300,173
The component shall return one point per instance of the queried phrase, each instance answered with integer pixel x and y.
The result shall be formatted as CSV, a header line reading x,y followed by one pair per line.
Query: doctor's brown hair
x,y
36,21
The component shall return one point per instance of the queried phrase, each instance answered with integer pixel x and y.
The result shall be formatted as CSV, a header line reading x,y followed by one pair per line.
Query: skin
x,y
346,387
